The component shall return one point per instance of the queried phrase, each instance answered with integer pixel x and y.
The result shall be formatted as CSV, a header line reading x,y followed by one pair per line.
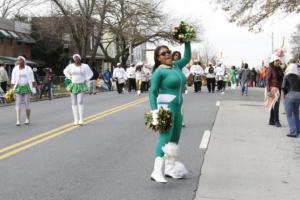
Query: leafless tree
x,y
125,23
132,23
13,7
253,13
206,54
295,42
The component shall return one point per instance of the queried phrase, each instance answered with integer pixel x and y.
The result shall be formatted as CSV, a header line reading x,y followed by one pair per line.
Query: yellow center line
x,y
63,129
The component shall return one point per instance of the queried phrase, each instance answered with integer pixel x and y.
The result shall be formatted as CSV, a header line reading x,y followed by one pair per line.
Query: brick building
x,y
15,38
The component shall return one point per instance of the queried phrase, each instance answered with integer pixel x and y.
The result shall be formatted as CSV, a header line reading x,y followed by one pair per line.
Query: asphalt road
x,y
109,158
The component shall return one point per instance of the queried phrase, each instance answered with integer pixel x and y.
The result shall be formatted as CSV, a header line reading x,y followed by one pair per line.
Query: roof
x,y
12,60
20,37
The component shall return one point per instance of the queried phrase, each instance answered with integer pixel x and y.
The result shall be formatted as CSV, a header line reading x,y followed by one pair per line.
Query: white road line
x,y
205,140
218,103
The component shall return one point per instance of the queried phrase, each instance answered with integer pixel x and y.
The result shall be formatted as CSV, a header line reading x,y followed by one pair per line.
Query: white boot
x,y
139,92
18,112
27,120
80,108
75,114
173,168
157,174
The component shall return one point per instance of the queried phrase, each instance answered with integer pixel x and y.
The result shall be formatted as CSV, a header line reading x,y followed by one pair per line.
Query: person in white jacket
x,y
131,78
220,75
120,76
79,74
139,77
23,84
197,71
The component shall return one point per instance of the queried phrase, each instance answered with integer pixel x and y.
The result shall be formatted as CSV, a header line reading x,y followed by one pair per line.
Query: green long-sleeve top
x,y
169,82
233,76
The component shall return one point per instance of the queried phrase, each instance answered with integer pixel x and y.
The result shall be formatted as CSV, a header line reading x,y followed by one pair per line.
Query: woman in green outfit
x,y
167,84
79,74
23,84
233,77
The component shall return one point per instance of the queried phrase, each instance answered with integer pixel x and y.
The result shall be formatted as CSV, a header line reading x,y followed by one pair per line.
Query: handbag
x,y
197,78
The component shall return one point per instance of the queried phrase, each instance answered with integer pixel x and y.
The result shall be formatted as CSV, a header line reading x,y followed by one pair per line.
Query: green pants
x,y
173,134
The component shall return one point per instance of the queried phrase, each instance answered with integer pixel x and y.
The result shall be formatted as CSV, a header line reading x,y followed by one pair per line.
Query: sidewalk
x,y
248,159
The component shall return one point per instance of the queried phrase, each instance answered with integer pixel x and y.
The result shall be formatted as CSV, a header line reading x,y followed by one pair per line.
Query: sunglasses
x,y
166,53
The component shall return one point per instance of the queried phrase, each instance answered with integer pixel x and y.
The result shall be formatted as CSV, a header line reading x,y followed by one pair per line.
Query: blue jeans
x,y
245,87
292,114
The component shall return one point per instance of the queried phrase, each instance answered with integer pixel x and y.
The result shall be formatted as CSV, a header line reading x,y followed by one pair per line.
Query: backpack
x,y
211,70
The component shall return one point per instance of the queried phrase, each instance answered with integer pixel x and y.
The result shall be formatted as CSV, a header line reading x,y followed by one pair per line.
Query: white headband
x,y
76,55
21,57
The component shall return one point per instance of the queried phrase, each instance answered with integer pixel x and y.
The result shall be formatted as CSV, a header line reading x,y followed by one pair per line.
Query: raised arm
x,y
153,93
186,57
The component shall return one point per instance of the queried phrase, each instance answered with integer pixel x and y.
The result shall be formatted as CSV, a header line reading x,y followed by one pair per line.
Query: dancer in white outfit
x,y
23,84
79,74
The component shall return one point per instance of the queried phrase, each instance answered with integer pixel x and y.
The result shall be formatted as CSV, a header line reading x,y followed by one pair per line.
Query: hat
x,y
76,55
139,64
273,58
21,57
118,64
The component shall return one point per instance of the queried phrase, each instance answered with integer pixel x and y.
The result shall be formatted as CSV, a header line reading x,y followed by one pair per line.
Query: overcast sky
x,y
236,43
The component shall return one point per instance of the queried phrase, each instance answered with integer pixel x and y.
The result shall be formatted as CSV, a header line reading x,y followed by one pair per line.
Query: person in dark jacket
x,y
291,91
274,78
245,77
93,81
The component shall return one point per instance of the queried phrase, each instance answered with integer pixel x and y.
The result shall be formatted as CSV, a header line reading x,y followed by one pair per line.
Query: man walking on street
x,y
197,72
211,78
131,78
119,75
47,83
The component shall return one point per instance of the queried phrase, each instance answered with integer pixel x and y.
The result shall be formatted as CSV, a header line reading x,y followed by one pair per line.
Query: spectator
x,y
107,79
291,91
3,77
93,81
274,78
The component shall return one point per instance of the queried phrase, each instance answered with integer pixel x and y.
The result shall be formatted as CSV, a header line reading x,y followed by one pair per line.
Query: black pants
x,y
211,84
4,86
220,85
197,86
274,113
144,86
131,84
120,87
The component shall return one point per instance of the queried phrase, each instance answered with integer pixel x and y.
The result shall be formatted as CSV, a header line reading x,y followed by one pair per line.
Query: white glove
x,y
33,90
154,117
